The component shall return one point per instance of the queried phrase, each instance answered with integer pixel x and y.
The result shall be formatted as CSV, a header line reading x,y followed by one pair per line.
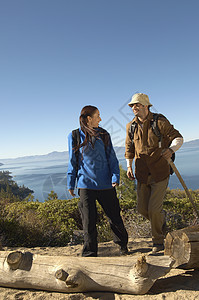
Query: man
x,y
151,166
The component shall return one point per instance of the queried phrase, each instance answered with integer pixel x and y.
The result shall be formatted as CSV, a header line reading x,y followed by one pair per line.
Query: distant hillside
x,y
55,155
191,144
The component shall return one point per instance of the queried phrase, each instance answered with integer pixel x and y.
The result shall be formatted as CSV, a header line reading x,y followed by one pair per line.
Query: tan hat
x,y
140,98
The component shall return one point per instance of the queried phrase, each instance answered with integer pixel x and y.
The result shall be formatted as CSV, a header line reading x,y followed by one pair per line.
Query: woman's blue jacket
x,y
97,168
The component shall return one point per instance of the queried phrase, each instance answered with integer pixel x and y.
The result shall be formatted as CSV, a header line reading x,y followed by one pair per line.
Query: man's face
x,y
140,110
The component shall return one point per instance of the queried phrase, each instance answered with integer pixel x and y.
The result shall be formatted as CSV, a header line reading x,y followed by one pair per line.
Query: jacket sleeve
x,y
113,162
129,147
71,174
168,130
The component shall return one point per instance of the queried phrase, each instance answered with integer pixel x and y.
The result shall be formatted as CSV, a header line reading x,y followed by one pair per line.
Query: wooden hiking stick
x,y
183,184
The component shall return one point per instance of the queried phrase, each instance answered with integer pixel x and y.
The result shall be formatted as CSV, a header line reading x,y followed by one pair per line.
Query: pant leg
x,y
110,204
143,196
88,211
155,210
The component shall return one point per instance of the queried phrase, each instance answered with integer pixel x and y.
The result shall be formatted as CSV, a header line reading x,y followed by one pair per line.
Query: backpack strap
x,y
76,142
156,131
132,128
154,125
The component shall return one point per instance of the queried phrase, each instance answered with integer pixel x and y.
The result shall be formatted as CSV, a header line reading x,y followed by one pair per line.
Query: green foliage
x,y
30,224
10,191
55,222
52,196
19,223
5,177
126,191
179,209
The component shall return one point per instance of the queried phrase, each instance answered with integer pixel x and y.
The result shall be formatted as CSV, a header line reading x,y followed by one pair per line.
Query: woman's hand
x,y
115,184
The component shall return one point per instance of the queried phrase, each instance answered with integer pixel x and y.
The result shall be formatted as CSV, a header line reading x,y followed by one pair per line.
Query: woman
x,y
97,173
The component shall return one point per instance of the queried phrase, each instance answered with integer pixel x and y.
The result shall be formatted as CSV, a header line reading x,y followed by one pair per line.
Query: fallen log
x,y
81,274
183,246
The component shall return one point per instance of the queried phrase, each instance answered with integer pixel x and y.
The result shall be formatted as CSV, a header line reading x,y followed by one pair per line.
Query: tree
x,y
5,177
52,196
10,190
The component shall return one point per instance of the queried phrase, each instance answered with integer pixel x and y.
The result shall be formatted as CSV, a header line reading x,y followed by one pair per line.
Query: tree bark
x,y
183,246
81,274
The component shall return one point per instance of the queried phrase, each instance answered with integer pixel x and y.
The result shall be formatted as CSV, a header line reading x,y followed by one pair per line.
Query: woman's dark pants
x,y
110,204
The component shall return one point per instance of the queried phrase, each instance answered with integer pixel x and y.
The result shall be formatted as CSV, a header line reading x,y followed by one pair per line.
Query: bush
x,y
51,223
179,209
55,222
33,224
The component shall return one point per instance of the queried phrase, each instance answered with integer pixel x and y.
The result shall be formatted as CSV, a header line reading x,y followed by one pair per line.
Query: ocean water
x,y
41,176
46,176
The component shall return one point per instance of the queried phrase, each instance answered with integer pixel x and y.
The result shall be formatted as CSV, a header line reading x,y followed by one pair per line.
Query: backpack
x,y
76,141
156,131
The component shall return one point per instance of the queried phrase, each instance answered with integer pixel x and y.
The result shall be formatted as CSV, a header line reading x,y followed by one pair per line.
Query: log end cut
x,y
183,246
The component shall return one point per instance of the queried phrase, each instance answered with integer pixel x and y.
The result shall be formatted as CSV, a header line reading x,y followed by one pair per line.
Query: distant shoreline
x,y
59,155
45,173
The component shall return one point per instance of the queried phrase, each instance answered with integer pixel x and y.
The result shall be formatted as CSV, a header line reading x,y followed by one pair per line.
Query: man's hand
x,y
129,173
115,184
71,193
167,153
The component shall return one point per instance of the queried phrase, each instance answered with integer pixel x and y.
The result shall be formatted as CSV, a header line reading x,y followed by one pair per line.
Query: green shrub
x,y
39,224
179,209
55,222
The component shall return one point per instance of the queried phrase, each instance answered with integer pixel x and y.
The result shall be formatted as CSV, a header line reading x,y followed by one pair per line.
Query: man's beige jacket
x,y
145,149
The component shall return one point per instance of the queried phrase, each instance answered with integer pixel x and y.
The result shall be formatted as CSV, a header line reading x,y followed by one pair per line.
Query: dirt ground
x,y
177,284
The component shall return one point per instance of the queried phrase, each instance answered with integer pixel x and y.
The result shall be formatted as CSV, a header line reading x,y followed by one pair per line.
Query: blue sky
x,y
58,56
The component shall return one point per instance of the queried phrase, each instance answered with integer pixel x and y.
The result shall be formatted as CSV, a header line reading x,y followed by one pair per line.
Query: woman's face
x,y
94,120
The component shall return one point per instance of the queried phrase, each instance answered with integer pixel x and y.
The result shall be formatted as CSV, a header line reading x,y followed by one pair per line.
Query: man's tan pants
x,y
150,198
